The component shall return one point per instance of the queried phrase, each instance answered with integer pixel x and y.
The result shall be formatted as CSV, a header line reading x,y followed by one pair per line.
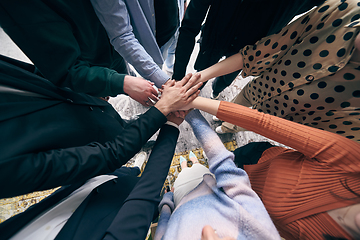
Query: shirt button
x,y
69,100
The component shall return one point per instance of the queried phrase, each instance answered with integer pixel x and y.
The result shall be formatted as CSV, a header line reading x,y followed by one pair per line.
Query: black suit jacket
x,y
60,137
121,208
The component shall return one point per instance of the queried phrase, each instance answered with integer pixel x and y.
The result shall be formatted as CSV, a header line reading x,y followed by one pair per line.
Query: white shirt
x,y
48,225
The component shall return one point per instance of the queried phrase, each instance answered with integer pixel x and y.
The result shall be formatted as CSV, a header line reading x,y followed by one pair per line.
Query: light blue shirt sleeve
x,y
115,17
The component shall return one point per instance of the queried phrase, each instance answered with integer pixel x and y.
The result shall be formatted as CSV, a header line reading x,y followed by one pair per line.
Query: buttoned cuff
x,y
159,77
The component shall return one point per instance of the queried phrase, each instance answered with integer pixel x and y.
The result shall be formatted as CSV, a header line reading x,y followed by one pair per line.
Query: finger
x,y
170,83
185,79
151,102
193,89
208,233
182,114
192,97
153,98
167,81
153,91
192,81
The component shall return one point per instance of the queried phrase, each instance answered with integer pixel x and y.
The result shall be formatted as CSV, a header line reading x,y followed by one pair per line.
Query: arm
x,y
96,81
232,180
61,60
249,60
330,148
45,170
190,28
228,65
115,17
135,216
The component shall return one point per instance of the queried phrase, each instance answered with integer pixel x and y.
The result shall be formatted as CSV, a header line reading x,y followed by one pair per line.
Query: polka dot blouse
x,y
305,73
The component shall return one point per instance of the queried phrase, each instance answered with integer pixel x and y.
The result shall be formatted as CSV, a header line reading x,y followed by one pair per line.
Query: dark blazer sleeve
x,y
134,218
44,170
190,28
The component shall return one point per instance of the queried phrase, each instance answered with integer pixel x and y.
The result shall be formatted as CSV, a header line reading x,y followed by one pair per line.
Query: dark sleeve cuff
x,y
156,114
117,84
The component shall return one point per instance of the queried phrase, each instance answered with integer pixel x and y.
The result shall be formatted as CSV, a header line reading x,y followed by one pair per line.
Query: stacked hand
x,y
176,95
140,90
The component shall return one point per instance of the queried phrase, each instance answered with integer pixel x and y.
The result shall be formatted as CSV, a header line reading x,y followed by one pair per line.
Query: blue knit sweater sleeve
x,y
220,159
232,180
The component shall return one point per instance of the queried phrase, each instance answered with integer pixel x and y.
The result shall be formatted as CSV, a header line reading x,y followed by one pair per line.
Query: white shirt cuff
x,y
172,124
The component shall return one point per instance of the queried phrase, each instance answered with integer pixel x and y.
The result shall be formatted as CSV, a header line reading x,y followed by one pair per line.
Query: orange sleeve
x,y
326,147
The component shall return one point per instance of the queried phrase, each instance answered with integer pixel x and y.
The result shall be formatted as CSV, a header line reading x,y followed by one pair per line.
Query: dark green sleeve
x,y
94,80
67,43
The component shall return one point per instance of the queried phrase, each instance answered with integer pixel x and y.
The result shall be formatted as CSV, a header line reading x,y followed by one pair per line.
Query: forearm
x,y
115,18
45,170
229,65
206,104
228,176
184,48
150,184
95,81
190,28
230,179
209,140
135,54
134,218
312,142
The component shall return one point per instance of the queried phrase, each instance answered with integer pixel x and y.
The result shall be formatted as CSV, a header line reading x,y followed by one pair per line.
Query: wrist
x,y
163,107
127,78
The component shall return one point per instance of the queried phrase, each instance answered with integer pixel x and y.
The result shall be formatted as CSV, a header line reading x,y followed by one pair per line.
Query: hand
x,y
173,118
196,78
166,190
140,90
181,113
208,233
175,95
